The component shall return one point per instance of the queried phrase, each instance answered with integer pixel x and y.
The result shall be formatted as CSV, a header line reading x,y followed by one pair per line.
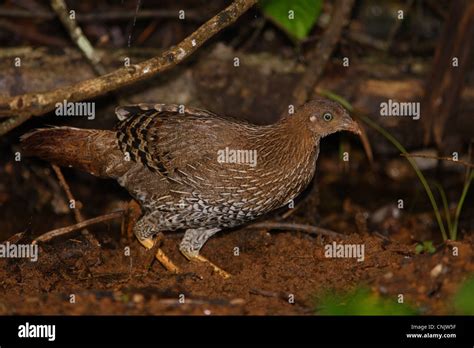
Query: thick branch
x,y
35,104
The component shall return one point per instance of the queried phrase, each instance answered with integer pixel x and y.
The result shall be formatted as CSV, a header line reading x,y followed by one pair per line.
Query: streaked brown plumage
x,y
167,157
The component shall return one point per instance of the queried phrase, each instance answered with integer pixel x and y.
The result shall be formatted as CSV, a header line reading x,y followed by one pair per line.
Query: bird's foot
x,y
149,243
193,256
193,241
216,268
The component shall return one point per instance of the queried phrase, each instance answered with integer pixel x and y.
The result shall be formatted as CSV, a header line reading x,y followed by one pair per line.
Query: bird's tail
x,y
91,150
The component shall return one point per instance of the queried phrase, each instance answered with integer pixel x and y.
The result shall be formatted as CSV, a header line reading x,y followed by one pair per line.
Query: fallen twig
x,y
22,107
461,162
77,211
64,185
298,227
65,230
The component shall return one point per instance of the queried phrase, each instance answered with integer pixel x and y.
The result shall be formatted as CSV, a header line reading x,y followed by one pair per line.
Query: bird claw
x,y
216,268
166,262
161,256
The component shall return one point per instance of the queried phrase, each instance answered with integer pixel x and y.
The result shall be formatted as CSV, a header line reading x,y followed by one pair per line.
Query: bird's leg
x,y
193,241
132,214
144,231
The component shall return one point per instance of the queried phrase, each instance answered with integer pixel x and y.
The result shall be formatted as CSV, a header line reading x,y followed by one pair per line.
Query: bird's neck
x,y
290,141
288,145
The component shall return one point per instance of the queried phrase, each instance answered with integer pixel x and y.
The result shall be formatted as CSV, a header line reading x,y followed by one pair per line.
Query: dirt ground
x,y
269,268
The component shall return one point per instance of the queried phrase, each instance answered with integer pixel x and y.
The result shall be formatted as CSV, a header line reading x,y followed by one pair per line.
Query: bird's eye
x,y
327,117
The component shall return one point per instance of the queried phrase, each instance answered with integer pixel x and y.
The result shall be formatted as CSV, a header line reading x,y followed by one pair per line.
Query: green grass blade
x,y
446,207
400,147
418,172
454,231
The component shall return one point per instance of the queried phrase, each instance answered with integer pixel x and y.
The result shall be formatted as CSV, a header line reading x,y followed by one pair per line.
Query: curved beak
x,y
350,125
353,127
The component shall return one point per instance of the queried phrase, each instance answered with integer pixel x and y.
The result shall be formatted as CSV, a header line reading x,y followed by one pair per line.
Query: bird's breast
x,y
217,195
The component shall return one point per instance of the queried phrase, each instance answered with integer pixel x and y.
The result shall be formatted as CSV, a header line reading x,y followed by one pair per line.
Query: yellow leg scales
x,y
160,256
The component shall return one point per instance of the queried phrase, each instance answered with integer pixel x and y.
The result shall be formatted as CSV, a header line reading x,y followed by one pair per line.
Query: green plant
x,y
452,227
425,247
444,200
361,301
470,178
464,298
295,17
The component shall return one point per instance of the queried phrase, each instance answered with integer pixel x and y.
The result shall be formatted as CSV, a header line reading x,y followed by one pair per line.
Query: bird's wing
x,y
172,140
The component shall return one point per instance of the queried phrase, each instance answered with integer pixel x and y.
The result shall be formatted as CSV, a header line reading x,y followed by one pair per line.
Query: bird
x,y
193,170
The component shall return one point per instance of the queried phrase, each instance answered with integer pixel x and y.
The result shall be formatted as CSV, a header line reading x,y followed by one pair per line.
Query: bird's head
x,y
324,117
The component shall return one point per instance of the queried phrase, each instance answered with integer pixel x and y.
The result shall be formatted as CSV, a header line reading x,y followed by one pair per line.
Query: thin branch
x,y
36,104
298,227
77,211
64,185
101,16
323,51
461,162
76,34
79,226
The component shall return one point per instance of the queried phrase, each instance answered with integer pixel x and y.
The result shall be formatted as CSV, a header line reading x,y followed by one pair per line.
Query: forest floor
x,y
273,273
